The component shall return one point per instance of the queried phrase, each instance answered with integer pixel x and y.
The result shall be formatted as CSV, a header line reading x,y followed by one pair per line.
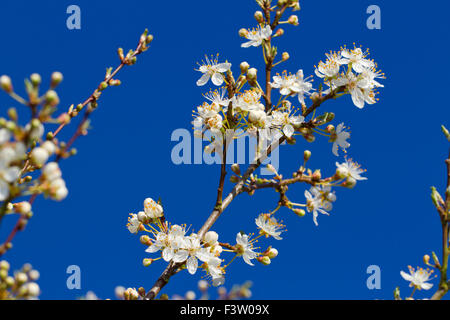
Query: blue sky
x,y
387,221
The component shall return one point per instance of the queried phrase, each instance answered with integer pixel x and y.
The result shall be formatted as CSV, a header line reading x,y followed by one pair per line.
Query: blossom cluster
x,y
21,285
176,245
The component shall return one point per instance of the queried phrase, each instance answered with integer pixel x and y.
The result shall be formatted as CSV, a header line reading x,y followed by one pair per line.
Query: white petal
x,y
4,190
217,79
192,265
180,256
203,80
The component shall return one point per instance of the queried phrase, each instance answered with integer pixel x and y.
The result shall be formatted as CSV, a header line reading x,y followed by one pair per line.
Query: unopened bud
x,y
234,179
51,97
243,33
279,33
330,128
273,253
56,78
317,175
285,56
146,262
144,239
259,16
426,259
306,155
251,74
39,156
22,207
5,83
299,212
293,20
310,137
265,260
244,67
236,169
211,237
35,79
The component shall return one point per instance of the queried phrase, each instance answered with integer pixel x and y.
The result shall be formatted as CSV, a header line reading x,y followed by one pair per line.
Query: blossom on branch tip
x,y
418,278
152,209
213,70
269,226
256,36
357,59
133,223
349,169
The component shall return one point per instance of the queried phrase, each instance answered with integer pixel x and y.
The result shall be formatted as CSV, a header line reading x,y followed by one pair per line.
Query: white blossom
x,y
316,204
357,59
418,278
245,248
256,36
133,223
351,169
152,209
339,139
269,226
213,70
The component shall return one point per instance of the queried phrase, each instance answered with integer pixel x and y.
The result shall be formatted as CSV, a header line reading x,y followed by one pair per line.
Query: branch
x,y
141,47
443,283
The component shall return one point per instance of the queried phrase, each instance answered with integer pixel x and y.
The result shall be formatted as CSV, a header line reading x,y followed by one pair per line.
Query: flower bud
x,y
293,20
33,289
265,260
273,253
3,274
243,32
35,79
33,275
272,169
426,259
5,83
149,39
51,97
285,56
131,294
279,33
211,237
317,175
310,137
259,16
145,239
203,285
4,265
251,74
306,155
49,147
190,295
21,278
56,79
236,169
244,67
147,262
23,207
142,216
39,156
299,212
